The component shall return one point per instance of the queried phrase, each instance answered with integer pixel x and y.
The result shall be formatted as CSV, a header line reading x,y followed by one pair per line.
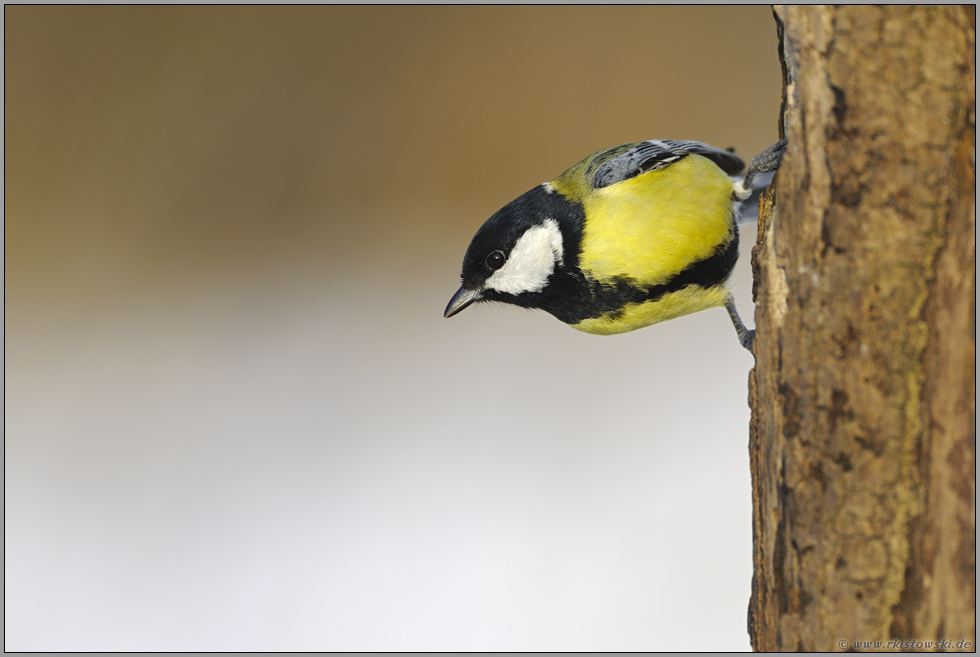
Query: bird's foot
x,y
765,162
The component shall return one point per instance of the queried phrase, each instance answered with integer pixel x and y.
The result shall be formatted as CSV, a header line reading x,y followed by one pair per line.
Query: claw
x,y
765,162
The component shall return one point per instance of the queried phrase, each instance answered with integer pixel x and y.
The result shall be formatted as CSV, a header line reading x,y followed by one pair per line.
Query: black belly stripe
x,y
572,299
704,273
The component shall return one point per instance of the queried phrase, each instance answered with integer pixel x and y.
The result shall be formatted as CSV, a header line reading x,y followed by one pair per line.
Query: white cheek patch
x,y
531,261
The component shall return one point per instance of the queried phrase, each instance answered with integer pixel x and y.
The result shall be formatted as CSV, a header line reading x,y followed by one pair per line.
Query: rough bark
x,y
863,395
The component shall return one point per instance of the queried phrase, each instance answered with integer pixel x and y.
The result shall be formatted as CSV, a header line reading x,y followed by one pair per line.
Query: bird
x,y
631,236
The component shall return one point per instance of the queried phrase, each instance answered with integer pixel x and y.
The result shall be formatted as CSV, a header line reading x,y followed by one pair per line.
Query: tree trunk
x,y
864,391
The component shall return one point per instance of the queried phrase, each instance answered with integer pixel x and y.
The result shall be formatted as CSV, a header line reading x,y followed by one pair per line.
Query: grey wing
x,y
658,154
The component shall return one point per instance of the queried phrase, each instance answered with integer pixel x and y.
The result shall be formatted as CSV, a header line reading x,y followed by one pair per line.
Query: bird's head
x,y
518,254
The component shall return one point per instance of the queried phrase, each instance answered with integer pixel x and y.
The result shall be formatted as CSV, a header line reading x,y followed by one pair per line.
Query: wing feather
x,y
658,154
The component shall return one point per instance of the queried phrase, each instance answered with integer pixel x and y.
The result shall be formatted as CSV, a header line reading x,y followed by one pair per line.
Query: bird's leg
x,y
745,336
765,162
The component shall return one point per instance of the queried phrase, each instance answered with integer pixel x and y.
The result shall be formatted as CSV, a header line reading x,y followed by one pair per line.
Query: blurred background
x,y
235,418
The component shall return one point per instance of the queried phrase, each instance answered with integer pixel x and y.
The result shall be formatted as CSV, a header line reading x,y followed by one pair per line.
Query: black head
x,y
520,251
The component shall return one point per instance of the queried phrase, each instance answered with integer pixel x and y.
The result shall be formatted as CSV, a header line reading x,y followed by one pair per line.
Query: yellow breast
x,y
651,227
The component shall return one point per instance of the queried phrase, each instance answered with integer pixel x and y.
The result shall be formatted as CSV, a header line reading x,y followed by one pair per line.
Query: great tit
x,y
630,236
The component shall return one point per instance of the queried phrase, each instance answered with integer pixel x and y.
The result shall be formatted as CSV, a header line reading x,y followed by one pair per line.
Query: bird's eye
x,y
496,260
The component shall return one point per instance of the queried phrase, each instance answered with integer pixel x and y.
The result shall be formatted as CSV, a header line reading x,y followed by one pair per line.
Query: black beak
x,y
460,300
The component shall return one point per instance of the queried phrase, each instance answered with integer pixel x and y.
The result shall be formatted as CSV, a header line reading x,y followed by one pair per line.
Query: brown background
x,y
235,418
